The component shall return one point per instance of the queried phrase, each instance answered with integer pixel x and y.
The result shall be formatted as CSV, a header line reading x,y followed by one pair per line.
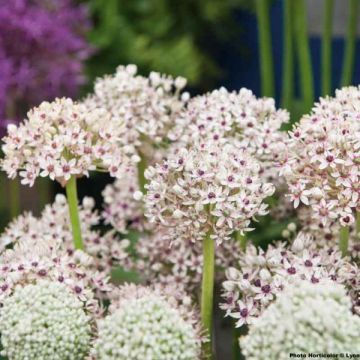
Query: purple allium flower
x,y
42,47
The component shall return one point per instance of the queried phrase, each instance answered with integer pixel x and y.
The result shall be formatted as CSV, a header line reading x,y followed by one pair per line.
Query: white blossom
x,y
44,321
305,318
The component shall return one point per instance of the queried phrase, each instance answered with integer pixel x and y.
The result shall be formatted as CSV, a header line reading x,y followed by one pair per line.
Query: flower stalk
x,y
141,165
303,53
14,189
207,291
349,56
326,48
72,198
266,58
358,224
344,240
288,57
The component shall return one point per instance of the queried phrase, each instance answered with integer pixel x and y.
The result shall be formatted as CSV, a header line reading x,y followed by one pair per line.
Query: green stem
x,y
207,291
348,63
236,345
72,198
303,52
141,165
358,224
344,240
266,58
241,239
326,48
288,61
14,197
44,191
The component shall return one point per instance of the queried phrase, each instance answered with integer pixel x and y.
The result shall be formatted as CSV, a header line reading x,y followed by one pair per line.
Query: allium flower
x,y
322,165
265,274
180,262
54,224
31,261
305,317
207,189
42,49
61,139
44,321
147,323
237,117
148,105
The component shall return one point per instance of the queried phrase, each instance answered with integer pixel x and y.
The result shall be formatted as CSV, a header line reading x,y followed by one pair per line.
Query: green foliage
x,y
174,37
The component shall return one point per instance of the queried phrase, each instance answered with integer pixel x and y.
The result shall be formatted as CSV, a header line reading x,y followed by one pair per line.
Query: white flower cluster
x,y
31,261
206,189
63,138
322,166
147,105
44,321
54,225
159,260
265,274
239,118
305,317
145,325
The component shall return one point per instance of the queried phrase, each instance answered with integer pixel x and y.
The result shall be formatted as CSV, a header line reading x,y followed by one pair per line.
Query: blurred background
x,y
292,50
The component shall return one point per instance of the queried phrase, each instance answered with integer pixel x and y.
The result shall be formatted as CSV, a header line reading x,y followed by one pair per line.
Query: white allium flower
x,y
54,224
147,105
145,324
64,138
304,318
34,260
322,165
208,188
263,275
44,321
237,117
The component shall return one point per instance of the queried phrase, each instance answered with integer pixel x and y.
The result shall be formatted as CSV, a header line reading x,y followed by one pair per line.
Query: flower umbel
x,y
61,139
44,321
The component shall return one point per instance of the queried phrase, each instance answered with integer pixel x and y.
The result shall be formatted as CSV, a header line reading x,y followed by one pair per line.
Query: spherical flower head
x,y
146,325
206,189
148,105
322,164
54,224
263,275
61,139
43,321
237,117
307,317
34,260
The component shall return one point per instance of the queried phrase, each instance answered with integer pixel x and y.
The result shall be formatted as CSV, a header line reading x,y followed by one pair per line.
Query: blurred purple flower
x,y
42,49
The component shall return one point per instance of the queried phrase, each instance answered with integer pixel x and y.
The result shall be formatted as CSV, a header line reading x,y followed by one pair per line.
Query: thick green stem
x,y
358,224
14,189
344,240
207,291
326,48
348,63
288,58
141,165
44,191
72,198
303,53
241,239
266,58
